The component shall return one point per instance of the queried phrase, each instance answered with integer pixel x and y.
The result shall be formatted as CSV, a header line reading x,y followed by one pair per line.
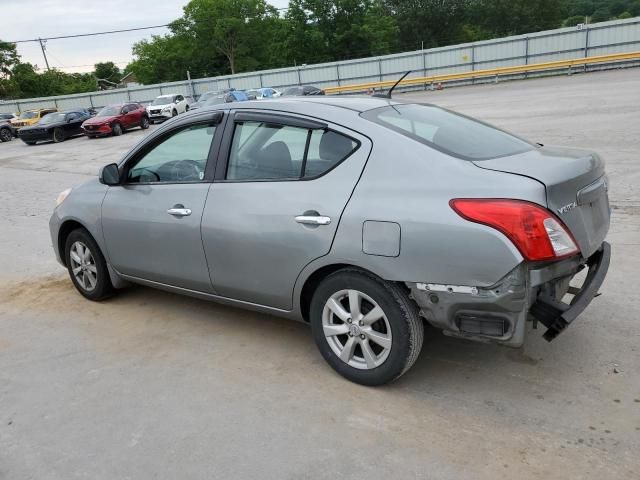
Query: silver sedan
x,y
364,217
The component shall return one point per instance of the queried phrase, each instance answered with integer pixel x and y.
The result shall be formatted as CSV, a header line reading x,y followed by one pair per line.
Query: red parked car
x,y
115,119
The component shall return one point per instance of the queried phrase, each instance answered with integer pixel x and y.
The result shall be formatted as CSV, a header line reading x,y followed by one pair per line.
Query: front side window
x,y
449,132
269,151
182,157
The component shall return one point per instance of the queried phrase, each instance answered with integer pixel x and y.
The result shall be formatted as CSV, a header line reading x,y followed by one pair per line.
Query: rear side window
x,y
449,132
268,151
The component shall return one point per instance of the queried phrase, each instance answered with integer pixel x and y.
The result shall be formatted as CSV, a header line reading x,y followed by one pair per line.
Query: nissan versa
x,y
364,217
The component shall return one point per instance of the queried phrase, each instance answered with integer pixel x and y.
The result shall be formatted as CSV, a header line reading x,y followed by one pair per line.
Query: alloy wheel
x,y
83,266
357,329
5,135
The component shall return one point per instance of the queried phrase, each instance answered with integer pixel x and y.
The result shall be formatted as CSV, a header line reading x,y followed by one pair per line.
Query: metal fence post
x,y
424,64
473,62
586,44
299,78
526,54
128,95
338,73
380,68
260,77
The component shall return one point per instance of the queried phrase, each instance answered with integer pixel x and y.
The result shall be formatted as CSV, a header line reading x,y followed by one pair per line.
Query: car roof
x,y
355,103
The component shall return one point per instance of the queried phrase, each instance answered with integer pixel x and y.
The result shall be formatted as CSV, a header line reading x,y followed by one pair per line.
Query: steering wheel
x,y
186,170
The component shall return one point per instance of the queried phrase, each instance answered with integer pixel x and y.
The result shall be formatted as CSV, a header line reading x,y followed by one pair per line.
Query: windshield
x,y
109,111
28,115
293,91
52,118
206,96
449,132
215,100
162,100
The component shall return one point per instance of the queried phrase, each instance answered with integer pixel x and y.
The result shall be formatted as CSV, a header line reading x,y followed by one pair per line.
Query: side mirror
x,y
110,175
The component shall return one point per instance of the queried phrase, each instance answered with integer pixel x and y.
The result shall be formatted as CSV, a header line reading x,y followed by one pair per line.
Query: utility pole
x,y
43,52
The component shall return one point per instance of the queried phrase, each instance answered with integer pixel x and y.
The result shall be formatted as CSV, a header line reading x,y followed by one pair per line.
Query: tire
x,y
398,327
174,113
116,130
92,280
186,109
144,123
30,143
58,135
5,135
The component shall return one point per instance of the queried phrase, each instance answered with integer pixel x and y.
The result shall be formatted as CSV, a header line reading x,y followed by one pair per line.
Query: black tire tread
x,y
409,312
106,289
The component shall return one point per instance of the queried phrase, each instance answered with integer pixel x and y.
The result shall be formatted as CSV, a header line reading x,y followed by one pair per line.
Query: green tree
x,y
513,17
600,15
429,22
232,28
9,58
107,71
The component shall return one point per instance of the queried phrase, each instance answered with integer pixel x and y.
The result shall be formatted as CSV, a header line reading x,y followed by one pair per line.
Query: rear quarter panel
x,y
411,184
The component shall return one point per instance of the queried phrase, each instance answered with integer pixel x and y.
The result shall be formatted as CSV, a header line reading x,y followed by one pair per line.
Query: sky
x,y
27,19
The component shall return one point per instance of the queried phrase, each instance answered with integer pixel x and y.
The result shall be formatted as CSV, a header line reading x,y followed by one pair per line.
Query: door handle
x,y
179,212
313,220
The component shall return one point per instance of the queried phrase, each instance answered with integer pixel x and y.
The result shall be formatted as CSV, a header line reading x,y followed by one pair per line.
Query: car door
x,y
127,116
151,222
281,186
180,103
74,120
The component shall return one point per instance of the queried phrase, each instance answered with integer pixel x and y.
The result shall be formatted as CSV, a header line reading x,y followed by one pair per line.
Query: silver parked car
x,y
364,217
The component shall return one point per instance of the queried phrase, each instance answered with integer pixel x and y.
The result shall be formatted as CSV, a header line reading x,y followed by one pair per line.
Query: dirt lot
x,y
153,385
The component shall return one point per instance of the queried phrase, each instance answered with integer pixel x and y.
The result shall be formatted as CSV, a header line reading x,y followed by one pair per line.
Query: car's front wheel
x,y
87,266
5,135
116,130
144,123
367,329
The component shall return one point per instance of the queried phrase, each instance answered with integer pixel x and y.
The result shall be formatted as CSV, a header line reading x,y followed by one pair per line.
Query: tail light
x,y
534,230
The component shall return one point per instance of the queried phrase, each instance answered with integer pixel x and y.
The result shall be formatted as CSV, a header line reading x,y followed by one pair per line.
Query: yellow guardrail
x,y
492,72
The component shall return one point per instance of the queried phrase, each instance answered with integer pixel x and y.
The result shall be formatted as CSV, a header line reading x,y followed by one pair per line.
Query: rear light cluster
x,y
534,230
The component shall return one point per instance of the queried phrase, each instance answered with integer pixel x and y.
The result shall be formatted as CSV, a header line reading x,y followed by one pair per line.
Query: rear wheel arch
x,y
314,279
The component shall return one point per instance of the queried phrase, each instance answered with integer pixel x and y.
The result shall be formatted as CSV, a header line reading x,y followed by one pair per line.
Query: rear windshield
x,y
449,132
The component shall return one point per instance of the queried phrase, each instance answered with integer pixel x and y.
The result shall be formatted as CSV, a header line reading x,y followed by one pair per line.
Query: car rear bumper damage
x,y
557,315
528,293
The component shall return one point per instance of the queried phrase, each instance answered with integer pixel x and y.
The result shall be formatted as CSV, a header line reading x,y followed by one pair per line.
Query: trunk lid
x,y
576,188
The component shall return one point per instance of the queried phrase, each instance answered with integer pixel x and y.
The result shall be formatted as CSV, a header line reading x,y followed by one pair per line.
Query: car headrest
x,y
334,147
275,161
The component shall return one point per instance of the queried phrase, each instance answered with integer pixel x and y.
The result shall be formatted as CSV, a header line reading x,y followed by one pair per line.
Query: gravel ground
x,y
154,385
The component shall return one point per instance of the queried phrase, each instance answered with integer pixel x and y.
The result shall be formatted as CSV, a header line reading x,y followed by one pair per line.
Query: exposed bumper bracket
x,y
556,315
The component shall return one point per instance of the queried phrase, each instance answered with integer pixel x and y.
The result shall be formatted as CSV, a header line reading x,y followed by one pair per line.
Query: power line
x,y
59,37
135,29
